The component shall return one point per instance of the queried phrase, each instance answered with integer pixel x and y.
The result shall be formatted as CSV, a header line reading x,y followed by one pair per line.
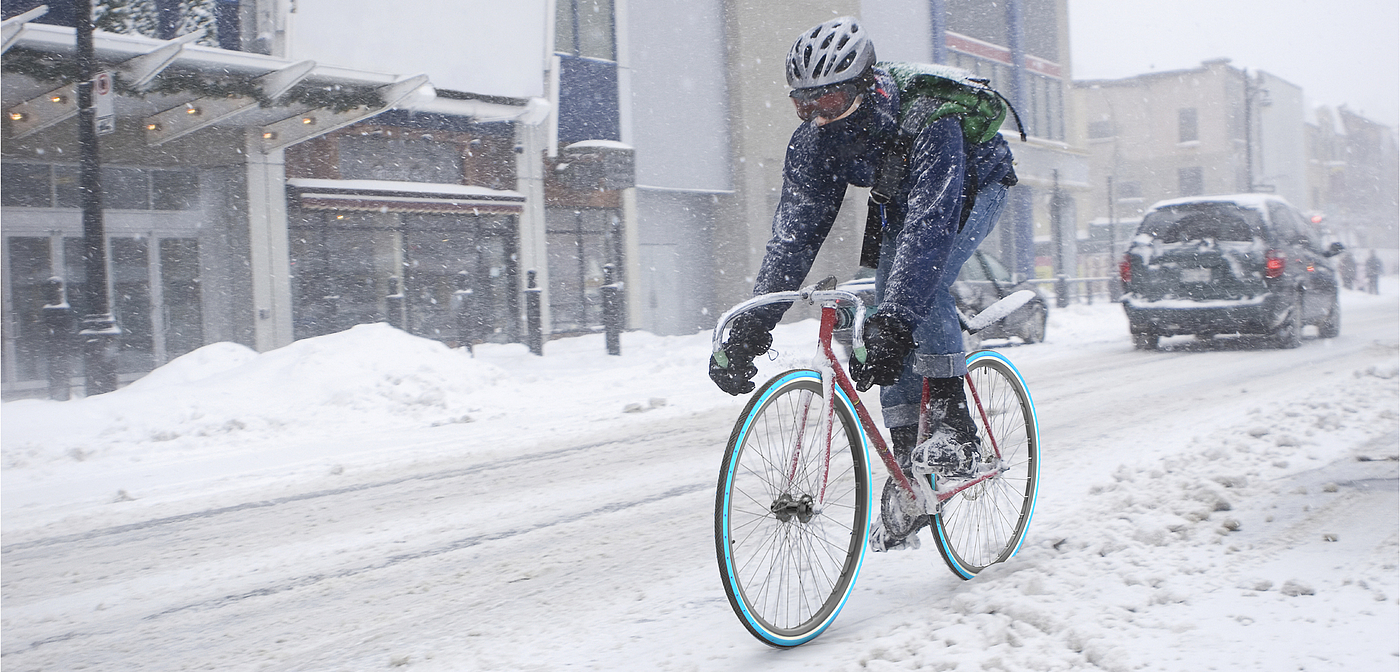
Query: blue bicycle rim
x,y
1035,483
752,622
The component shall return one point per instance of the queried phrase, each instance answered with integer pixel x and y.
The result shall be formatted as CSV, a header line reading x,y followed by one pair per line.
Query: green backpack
x,y
930,92
927,93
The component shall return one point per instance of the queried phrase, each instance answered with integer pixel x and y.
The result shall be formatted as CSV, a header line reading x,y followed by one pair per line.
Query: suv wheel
x,y
1290,333
1331,326
1034,331
1145,340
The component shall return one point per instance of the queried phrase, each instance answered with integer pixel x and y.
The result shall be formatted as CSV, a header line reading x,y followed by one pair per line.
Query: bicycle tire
x,y
788,575
987,523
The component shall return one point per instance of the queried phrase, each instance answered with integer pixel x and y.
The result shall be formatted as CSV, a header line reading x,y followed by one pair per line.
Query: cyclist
x,y
850,110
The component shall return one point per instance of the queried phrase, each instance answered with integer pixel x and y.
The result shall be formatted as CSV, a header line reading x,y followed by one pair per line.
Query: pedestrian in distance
x,y
1373,273
1346,268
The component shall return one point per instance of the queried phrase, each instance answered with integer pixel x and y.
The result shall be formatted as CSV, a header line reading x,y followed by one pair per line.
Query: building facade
x,y
711,119
258,192
1353,178
1210,130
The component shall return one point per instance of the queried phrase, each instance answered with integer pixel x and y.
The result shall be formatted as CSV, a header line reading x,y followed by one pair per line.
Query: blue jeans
x,y
940,352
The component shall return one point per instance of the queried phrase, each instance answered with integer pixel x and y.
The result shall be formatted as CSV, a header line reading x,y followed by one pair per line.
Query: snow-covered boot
x,y
900,518
952,449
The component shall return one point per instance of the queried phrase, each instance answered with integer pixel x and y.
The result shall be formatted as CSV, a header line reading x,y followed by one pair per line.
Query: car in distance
x,y
1237,264
982,281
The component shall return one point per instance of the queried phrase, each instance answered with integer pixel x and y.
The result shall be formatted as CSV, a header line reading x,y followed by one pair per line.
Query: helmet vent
x,y
845,63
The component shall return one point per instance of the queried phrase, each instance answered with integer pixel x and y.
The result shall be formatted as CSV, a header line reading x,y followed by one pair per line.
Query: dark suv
x,y
1246,264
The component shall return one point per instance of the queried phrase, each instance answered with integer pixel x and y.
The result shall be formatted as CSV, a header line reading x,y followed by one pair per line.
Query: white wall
x,y
679,104
476,46
1283,156
901,29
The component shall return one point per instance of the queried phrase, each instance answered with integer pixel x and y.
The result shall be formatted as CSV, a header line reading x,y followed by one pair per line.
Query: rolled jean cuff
x,y
902,415
940,366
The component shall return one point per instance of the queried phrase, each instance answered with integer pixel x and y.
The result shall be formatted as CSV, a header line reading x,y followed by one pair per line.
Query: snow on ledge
x,y
392,186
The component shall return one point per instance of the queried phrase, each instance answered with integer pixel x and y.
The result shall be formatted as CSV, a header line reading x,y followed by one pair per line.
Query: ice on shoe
x,y
947,453
881,540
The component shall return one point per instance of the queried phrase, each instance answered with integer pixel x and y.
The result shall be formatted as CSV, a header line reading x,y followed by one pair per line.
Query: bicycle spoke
x,y
985,523
791,556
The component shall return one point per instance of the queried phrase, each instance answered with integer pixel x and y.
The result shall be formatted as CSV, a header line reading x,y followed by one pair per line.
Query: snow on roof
x,y
608,144
1251,201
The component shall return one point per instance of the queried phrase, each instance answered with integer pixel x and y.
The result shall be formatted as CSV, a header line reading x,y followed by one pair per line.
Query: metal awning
x,y
31,106
394,196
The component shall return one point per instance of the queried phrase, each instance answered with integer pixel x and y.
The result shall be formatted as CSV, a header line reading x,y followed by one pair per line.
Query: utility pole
x,y
1115,281
1112,235
1057,235
1022,231
938,14
1248,133
1251,90
98,331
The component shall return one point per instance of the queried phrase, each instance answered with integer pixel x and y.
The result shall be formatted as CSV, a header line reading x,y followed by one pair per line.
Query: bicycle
x,y
792,508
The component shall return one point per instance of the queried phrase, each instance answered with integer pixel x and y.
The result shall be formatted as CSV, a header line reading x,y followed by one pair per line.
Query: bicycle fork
x,y
834,376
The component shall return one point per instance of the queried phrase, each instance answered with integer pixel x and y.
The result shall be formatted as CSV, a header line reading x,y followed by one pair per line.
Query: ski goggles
x,y
826,102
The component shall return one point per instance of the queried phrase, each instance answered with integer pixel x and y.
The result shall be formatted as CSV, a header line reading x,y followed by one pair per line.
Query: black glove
x,y
747,340
888,340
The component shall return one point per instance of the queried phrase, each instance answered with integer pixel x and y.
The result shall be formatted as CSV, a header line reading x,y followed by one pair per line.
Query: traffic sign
x,y
104,103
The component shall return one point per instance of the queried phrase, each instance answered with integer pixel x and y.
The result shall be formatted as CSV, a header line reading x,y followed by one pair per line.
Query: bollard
x,y
333,317
393,304
462,310
1061,290
58,323
612,310
534,336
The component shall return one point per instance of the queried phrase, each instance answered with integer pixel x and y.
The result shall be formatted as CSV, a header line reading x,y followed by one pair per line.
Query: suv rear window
x,y
1202,221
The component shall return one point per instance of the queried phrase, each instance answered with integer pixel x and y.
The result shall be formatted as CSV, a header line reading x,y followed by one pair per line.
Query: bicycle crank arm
x,y
942,494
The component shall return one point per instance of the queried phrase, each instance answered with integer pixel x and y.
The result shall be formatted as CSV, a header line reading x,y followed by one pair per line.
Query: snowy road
x,y
1208,506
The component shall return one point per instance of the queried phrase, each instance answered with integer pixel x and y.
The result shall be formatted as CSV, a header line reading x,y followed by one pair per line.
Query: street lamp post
x,y
98,331
1251,90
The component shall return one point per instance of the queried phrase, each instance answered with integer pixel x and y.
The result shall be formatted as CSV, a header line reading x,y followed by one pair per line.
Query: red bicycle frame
x,y
841,379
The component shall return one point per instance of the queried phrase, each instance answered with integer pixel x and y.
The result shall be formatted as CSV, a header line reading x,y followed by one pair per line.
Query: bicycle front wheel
x,y
791,511
986,523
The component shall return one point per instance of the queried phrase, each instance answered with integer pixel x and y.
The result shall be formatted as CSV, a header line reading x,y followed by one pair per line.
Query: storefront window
x,y
446,254
28,272
36,185
131,304
580,242
25,185
346,264
180,289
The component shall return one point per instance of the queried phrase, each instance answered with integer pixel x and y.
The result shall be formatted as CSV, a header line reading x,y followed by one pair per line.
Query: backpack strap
x,y
893,169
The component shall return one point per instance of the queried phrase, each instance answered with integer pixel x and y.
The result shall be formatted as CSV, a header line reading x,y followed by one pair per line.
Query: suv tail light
x,y
1125,269
1273,264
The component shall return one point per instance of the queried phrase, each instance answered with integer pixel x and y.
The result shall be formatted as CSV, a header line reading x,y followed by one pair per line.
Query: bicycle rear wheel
x,y
791,519
986,523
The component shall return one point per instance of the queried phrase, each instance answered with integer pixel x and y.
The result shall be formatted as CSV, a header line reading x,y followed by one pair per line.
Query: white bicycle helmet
x,y
831,53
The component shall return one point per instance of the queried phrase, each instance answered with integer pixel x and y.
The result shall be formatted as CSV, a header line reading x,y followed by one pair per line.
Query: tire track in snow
x,y
391,561
504,463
